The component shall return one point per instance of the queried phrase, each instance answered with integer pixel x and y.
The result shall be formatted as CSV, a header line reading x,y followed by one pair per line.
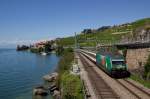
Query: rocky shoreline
x,y
50,88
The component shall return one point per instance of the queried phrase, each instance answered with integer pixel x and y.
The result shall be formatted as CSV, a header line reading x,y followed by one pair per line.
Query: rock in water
x,y
40,90
50,77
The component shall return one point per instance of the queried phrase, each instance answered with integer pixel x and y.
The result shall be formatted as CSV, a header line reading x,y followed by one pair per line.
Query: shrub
x,y
59,50
147,69
36,50
72,86
64,64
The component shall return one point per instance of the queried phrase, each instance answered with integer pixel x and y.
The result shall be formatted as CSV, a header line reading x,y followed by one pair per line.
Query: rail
x,y
101,88
123,81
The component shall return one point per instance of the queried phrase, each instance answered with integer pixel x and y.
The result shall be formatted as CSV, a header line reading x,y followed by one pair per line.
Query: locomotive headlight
x,y
120,67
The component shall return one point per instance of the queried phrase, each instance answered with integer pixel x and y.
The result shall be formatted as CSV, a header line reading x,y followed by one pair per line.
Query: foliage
x,y
147,69
69,49
139,25
68,41
142,81
72,86
65,61
146,80
106,35
141,22
64,64
59,50
47,47
22,48
36,50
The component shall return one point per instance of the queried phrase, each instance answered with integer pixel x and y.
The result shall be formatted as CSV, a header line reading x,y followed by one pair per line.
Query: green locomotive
x,y
112,63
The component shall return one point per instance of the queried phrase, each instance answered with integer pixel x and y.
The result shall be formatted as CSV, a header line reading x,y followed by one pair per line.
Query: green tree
x,y
48,47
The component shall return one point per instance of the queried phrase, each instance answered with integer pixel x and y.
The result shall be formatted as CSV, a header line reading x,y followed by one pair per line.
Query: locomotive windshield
x,y
118,63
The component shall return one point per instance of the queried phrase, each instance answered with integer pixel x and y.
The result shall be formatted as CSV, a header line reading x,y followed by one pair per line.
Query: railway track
x,y
137,87
102,90
138,92
90,54
132,88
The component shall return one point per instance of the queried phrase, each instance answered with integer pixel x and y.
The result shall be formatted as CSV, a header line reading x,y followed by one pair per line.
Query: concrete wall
x,y
136,58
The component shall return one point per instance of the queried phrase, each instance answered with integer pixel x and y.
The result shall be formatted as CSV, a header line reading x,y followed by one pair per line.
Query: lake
x,y
21,71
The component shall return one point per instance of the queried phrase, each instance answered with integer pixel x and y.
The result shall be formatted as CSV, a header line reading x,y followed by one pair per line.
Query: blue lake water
x,y
20,72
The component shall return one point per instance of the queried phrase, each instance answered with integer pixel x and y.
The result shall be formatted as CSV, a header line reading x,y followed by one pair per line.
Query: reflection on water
x,y
22,71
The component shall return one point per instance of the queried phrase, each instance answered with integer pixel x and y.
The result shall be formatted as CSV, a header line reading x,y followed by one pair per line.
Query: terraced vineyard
x,y
112,34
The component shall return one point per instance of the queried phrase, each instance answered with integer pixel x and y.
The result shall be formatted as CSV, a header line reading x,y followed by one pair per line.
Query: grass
x,y
92,39
140,23
70,85
68,41
141,81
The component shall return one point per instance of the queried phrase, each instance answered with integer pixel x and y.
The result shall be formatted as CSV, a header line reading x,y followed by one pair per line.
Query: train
x,y
112,62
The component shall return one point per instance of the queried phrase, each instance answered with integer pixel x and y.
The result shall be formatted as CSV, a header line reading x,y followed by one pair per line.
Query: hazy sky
x,y
31,20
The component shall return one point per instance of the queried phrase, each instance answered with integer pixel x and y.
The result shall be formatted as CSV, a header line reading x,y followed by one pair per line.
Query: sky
x,y
28,21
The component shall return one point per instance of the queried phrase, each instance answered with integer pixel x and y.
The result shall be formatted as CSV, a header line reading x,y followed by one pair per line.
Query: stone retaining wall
x,y
136,58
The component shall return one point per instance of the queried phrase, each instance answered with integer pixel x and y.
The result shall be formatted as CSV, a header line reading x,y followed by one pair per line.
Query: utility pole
x,y
96,43
75,41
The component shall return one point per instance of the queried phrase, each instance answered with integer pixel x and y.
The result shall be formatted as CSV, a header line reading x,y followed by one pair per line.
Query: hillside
x,y
90,37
